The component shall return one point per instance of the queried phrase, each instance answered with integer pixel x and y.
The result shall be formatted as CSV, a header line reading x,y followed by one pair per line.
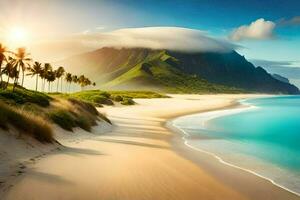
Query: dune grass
x,y
98,97
127,101
75,113
137,94
32,113
25,123
22,96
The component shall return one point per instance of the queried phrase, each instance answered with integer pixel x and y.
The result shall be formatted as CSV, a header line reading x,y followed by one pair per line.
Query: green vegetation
x,y
25,123
137,94
75,113
158,73
98,97
174,81
22,96
63,118
32,112
177,72
127,101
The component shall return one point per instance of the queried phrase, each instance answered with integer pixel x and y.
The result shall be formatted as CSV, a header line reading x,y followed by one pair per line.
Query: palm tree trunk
x,y
17,77
23,75
7,82
36,83
1,74
1,80
61,84
44,81
42,84
57,85
15,83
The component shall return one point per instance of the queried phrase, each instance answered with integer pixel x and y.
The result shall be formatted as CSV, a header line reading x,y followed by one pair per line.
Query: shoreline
x,y
231,109
143,159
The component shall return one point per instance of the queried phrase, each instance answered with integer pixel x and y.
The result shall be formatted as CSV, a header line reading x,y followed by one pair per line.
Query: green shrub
x,y
127,101
98,99
106,94
84,123
117,98
83,115
21,96
138,94
63,118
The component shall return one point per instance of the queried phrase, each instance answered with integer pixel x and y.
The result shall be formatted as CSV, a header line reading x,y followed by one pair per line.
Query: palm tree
x,y
21,62
50,77
2,58
81,81
10,71
74,79
88,82
68,78
35,70
44,74
59,75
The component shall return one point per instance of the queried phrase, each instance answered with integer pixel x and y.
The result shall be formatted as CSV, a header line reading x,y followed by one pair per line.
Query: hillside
x,y
170,71
281,78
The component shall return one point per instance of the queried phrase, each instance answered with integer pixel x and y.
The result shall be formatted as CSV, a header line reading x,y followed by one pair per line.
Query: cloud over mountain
x,y
171,38
258,30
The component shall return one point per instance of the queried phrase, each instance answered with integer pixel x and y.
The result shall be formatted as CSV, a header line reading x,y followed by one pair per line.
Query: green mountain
x,y
163,70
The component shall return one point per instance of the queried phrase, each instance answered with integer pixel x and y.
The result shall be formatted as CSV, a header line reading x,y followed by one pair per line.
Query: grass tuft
x,y
98,97
22,96
63,118
127,101
75,113
25,123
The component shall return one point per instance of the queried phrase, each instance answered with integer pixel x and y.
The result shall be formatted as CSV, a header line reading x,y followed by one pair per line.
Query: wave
x,y
207,116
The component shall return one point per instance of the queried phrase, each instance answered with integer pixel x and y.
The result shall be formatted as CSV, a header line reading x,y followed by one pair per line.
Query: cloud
x,y
257,30
295,21
171,38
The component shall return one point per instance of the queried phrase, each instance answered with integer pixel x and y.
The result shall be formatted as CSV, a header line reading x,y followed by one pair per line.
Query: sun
x,y
17,36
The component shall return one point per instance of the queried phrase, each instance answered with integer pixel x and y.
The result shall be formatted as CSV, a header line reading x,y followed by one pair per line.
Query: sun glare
x,y
17,36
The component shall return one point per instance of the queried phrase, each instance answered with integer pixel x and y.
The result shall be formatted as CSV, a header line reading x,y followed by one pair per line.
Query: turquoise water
x,y
263,138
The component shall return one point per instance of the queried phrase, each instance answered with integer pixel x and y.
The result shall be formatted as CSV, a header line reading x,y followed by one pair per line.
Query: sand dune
x,y
141,159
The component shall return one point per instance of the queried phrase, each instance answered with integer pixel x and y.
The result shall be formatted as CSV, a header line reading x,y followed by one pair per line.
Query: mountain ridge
x,y
171,71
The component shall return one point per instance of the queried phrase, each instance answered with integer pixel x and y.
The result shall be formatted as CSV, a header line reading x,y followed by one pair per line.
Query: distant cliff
x,y
140,68
281,78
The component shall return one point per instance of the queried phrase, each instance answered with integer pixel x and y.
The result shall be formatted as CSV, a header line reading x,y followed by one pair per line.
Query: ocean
x,y
263,138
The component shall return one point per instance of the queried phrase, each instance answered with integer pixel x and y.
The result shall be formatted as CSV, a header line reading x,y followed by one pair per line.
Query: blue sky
x,y
219,18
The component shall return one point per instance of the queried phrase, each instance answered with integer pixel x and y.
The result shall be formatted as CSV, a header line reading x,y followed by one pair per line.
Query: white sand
x,y
141,159
17,152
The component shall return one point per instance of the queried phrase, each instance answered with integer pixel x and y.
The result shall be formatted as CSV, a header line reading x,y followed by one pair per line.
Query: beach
x,y
141,159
